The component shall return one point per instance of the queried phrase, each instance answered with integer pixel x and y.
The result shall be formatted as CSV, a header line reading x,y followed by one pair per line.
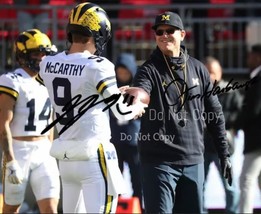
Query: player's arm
x,y
106,85
121,109
7,104
51,131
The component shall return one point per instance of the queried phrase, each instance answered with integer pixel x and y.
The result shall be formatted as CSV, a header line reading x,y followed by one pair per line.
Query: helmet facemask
x,y
101,39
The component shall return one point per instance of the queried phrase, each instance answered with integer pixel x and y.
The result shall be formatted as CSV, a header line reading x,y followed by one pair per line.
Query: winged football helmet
x,y
32,41
90,20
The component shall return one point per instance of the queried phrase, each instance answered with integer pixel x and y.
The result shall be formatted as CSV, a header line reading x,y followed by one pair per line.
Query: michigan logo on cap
x,y
168,18
165,17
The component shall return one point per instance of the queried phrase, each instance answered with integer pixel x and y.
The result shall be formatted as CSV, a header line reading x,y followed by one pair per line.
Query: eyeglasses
x,y
168,31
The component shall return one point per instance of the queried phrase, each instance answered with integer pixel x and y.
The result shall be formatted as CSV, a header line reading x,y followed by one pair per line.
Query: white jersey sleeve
x,y
107,87
33,109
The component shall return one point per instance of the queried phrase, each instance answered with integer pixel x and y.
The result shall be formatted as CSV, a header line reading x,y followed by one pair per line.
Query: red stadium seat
x,y
220,12
141,32
7,14
226,33
62,13
62,17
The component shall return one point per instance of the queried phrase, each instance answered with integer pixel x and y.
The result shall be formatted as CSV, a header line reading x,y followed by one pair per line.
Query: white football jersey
x,y
33,109
76,84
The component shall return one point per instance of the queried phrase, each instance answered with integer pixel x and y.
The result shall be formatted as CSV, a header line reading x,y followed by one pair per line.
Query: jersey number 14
x,y
44,114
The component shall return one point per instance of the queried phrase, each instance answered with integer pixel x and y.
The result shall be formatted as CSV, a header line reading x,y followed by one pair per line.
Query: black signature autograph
x,y
86,104
91,101
215,90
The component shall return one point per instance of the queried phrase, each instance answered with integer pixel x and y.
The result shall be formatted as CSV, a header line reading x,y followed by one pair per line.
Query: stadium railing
x,y
225,31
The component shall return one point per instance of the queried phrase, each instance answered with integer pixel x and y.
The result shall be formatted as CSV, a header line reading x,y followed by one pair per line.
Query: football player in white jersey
x,y
25,110
82,87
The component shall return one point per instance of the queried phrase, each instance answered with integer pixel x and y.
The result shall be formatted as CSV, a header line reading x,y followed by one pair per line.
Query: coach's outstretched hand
x,y
226,169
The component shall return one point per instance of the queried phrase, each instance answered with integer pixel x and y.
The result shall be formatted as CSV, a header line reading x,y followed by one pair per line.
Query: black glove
x,y
226,169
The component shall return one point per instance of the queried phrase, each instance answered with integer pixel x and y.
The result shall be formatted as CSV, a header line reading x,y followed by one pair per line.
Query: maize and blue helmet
x,y
32,41
90,20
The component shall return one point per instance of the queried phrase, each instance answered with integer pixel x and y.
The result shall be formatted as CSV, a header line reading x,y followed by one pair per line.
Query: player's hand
x,y
15,175
226,169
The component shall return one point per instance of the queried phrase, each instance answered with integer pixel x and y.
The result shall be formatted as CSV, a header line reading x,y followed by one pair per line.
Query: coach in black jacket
x,y
250,122
182,100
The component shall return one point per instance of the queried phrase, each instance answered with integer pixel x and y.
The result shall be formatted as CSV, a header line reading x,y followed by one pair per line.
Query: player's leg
x,y
45,184
44,179
14,193
72,198
96,197
46,188
12,204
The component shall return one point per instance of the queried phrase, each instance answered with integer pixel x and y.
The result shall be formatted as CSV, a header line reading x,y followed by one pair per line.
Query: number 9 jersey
x,y
78,83
32,111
